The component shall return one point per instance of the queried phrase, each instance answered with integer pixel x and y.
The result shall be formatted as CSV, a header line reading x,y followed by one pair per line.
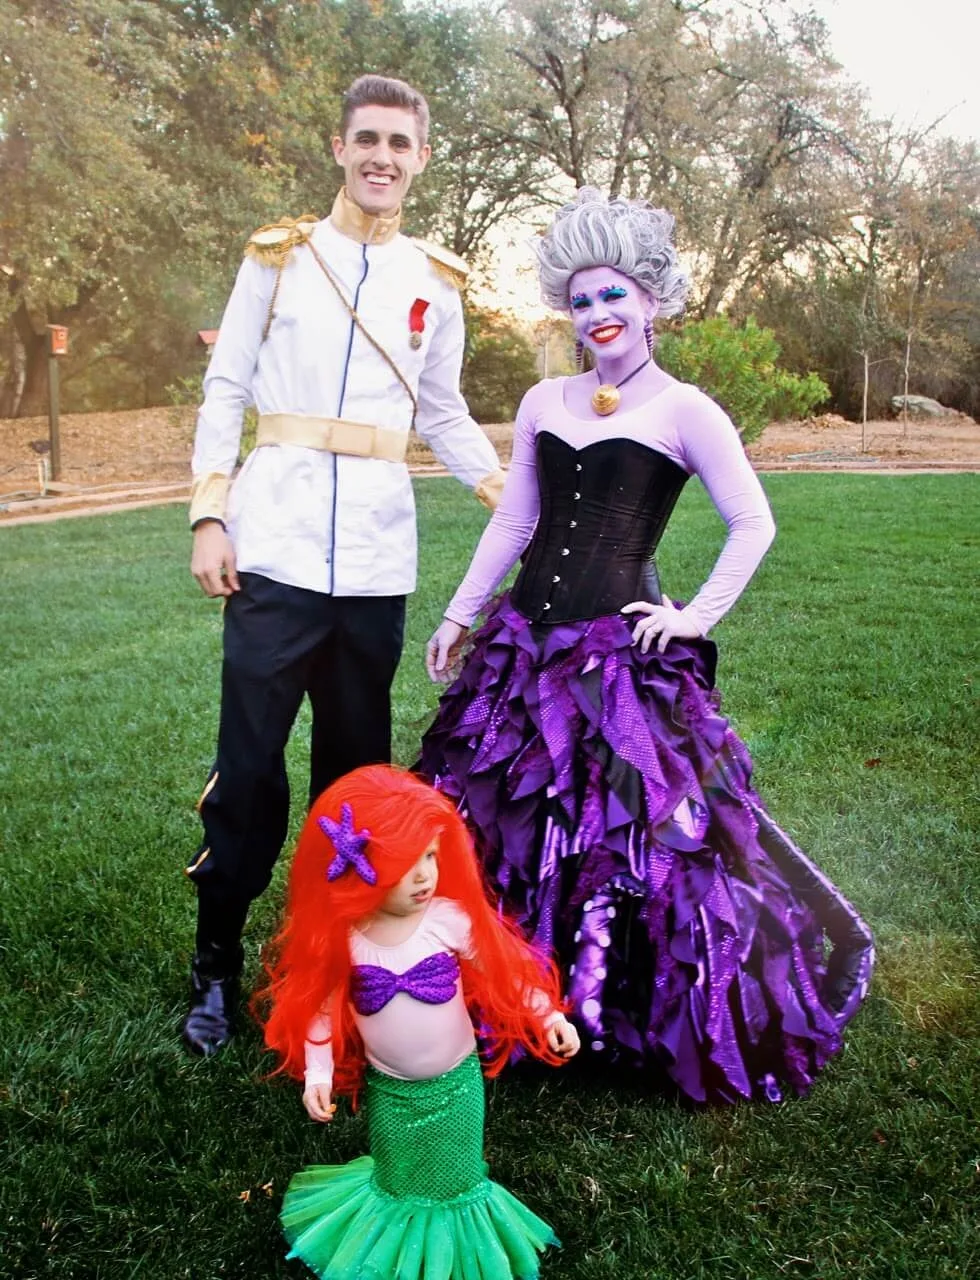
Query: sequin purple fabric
x,y
613,810
432,981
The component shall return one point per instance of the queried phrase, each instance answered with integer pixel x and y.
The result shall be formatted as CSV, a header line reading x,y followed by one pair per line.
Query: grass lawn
x,y
848,668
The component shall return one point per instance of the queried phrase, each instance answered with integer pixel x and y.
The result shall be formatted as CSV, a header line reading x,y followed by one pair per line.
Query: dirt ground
x,y
829,442
146,452
99,449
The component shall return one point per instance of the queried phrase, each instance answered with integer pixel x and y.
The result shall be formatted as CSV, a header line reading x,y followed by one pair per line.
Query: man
x,y
344,334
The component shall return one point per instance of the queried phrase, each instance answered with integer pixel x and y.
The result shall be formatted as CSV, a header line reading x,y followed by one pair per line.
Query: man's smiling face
x,y
380,154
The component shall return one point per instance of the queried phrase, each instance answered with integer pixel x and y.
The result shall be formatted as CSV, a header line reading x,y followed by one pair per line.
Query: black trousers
x,y
281,643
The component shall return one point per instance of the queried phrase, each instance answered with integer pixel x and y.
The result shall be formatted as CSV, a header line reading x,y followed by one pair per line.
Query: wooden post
x,y
57,346
53,435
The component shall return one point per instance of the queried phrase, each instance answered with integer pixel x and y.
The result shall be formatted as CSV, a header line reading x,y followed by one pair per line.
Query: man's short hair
x,y
385,91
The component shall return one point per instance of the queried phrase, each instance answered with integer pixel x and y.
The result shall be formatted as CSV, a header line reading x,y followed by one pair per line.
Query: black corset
x,y
603,510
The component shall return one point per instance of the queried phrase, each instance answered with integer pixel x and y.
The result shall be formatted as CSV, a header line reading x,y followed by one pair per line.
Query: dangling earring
x,y
579,355
648,334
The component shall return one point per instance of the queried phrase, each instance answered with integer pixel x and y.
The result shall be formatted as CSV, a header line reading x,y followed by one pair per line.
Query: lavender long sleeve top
x,y
680,422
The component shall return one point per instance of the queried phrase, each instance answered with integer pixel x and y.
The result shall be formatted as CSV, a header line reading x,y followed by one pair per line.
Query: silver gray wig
x,y
630,235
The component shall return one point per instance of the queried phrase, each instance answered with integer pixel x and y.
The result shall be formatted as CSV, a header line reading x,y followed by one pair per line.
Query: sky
x,y
917,58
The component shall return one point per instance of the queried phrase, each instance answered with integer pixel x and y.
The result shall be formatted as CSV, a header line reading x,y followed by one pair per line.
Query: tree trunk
x,y
33,402
33,399
13,383
908,361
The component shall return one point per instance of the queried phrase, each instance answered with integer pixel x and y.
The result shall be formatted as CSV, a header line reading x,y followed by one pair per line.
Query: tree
x,y
141,141
500,365
892,296
735,118
779,124
601,77
480,174
79,190
936,230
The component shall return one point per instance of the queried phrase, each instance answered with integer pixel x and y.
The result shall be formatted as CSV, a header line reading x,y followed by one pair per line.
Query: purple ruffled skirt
x,y
612,807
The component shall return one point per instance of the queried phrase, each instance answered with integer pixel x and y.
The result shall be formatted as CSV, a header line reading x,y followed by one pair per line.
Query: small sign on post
x,y
57,346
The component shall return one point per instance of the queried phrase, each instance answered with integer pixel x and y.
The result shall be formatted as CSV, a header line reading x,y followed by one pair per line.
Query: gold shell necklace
x,y
605,398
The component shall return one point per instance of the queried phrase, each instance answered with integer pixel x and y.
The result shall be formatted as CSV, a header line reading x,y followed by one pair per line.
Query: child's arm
x,y
319,1071
561,1036
560,1033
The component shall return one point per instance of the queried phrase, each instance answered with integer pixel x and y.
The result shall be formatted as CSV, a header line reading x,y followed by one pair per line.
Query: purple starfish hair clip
x,y
349,845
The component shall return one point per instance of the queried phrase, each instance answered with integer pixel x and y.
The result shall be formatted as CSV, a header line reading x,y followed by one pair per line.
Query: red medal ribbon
x,y
416,317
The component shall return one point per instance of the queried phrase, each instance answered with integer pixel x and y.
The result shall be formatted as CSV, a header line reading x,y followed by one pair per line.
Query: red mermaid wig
x,y
310,966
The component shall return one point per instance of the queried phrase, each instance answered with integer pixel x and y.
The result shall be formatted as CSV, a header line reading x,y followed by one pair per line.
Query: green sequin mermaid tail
x,y
421,1207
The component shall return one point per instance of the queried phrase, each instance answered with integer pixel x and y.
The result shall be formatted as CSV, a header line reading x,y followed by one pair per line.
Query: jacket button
x,y
577,496
547,606
578,466
564,551
556,578
573,524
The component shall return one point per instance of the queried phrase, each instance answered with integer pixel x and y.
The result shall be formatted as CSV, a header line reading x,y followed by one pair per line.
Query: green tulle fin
x,y
347,1229
521,1233
421,1206
437,1249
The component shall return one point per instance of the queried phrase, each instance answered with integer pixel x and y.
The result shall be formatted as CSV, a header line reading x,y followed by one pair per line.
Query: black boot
x,y
215,980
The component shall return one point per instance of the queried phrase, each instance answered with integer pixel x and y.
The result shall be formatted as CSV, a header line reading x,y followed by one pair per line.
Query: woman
x,y
611,802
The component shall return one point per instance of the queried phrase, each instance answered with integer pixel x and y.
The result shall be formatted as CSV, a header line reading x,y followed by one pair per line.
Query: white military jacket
x,y
312,517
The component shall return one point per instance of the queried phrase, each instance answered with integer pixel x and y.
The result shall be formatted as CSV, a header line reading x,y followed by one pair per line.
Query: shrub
x,y
737,367
500,365
188,393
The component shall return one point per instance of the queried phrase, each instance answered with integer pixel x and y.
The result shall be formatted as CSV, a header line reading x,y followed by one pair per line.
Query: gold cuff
x,y
357,439
490,488
209,497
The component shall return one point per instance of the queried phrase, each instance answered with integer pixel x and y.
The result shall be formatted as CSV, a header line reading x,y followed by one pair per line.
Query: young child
x,y
389,953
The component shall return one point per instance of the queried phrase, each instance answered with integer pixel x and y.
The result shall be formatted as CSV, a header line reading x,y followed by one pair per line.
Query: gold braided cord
x,y
269,315
357,320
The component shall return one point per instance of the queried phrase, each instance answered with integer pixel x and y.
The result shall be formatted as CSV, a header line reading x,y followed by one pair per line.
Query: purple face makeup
x,y
609,312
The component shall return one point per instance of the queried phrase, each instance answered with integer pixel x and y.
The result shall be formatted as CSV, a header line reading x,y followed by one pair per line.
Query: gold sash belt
x,y
359,439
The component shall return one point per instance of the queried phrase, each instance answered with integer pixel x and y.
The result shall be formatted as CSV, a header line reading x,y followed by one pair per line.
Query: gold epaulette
x,y
272,245
448,264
